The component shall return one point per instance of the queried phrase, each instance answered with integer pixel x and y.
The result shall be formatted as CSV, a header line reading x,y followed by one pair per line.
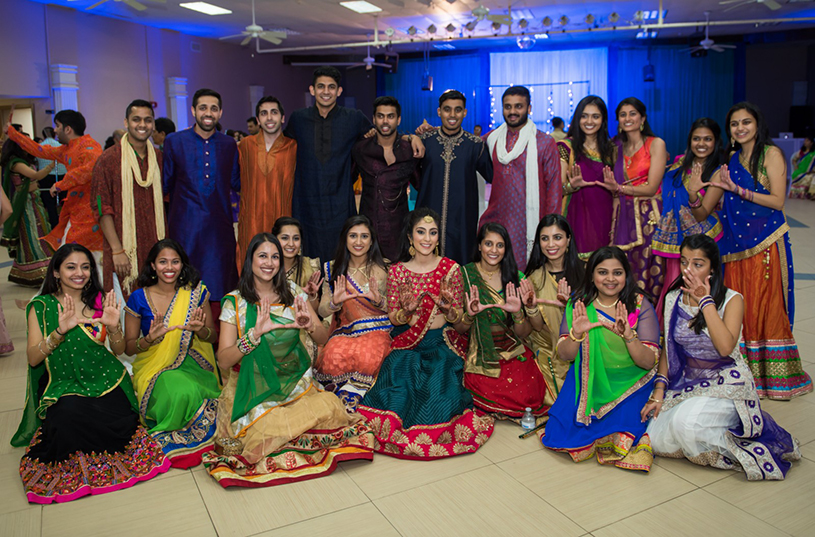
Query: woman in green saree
x,y
169,327
275,423
80,421
28,221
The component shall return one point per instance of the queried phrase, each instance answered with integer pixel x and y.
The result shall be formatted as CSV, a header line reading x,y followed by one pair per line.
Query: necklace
x,y
607,305
487,273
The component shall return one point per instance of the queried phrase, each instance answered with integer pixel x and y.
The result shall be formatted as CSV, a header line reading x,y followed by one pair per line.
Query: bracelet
x,y
531,312
456,318
696,204
58,332
705,301
245,343
518,317
652,400
209,333
118,331
662,378
401,317
573,338
117,253
332,306
255,341
466,319
39,347
138,344
632,338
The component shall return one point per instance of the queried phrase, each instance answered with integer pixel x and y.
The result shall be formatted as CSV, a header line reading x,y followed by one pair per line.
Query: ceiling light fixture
x,y
471,25
564,20
547,21
614,17
360,6
206,8
523,24
496,26
589,19
450,28
431,29
411,30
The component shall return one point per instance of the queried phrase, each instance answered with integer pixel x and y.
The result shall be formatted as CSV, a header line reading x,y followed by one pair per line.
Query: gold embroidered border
x,y
763,245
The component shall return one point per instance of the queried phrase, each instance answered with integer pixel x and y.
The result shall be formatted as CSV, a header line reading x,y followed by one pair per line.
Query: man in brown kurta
x,y
107,199
267,174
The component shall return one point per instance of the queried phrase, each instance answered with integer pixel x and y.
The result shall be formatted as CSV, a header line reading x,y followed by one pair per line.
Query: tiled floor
x,y
510,487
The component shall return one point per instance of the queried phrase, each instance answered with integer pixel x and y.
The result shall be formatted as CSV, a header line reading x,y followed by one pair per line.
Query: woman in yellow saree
x,y
169,327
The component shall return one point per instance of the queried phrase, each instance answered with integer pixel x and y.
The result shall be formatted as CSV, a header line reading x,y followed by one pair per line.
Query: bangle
x,y
332,306
246,344
652,400
574,338
117,253
456,316
138,344
705,301
39,347
118,331
400,317
209,333
58,332
630,339
466,319
696,204
531,312
518,317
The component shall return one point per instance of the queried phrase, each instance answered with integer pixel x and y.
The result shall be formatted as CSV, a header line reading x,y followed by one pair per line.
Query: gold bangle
x,y
518,317
456,318
39,347
632,338
138,344
466,319
209,333
531,312
573,338
401,317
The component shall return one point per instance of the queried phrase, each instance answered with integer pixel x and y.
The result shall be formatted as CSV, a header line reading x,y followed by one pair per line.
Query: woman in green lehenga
x,y
28,221
169,327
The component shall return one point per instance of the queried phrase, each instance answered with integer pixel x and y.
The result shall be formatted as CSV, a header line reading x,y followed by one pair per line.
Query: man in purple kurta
x,y
387,165
515,202
201,168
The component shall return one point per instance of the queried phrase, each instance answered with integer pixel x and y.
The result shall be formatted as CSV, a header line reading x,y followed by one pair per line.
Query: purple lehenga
x,y
590,210
711,414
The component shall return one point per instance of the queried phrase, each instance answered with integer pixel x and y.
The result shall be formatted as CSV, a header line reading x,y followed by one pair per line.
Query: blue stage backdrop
x,y
685,88
448,72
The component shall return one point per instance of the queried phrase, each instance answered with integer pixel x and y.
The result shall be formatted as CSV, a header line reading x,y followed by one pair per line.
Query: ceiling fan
x,y
368,62
253,31
480,13
772,4
138,6
707,43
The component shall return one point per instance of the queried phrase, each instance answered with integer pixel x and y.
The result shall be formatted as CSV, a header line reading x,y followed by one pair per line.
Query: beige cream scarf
x,y
130,171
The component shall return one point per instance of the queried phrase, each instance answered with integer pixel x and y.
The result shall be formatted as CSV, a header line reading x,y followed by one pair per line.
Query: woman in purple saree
x,y
705,405
585,156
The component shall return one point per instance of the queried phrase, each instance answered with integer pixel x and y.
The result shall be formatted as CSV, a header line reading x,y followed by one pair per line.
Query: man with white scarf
x,y
519,152
127,199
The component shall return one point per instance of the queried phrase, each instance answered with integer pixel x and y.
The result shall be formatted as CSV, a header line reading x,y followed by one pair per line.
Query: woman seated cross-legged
x,y
169,327
500,370
418,408
354,293
80,421
705,406
610,332
275,423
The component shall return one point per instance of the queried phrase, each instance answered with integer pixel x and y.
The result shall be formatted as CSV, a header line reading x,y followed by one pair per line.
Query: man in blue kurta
x,y
449,182
323,187
201,167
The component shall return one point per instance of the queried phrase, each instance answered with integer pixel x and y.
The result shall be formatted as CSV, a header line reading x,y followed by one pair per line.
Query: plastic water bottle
x,y
528,420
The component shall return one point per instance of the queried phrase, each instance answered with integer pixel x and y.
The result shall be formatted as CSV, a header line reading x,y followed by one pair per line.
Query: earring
x,y
619,128
412,250
437,249
642,126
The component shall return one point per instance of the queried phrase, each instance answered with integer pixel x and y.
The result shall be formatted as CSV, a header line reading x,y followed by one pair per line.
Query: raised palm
x,y
724,182
340,293
112,311
407,299
372,293
512,299
197,321
580,320
313,285
67,315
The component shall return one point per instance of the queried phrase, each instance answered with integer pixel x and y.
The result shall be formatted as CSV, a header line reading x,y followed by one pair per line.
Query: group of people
x,y
404,332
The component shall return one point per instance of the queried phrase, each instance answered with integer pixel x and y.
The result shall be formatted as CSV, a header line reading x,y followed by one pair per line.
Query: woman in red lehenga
x,y
418,408
500,371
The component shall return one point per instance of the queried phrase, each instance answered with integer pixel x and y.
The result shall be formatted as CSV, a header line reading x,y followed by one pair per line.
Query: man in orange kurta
x,y
78,154
267,174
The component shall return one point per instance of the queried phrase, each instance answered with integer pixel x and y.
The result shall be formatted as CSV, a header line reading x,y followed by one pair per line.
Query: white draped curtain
x,y
548,75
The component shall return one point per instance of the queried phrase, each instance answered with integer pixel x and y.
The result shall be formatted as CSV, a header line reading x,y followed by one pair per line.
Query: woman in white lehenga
x,y
705,406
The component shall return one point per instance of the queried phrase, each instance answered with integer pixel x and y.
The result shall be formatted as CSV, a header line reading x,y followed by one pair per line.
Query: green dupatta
x,y
608,375
11,228
80,365
273,369
483,357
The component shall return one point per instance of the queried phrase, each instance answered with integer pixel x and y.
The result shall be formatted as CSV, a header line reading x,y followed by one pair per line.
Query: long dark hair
x,y
51,285
718,291
572,265
246,283
639,106
342,255
605,146
189,275
11,150
713,161
411,219
278,226
509,268
763,139
587,292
